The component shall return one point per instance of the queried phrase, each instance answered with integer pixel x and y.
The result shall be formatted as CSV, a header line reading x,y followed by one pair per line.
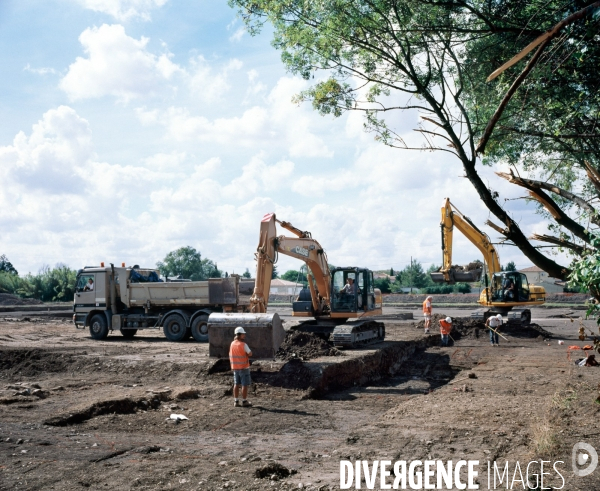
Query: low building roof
x,y
278,282
531,269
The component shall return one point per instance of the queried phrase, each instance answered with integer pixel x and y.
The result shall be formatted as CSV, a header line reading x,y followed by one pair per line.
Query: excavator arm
x,y
451,218
302,247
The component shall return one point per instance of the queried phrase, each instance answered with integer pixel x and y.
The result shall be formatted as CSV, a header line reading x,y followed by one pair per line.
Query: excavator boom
x,y
302,247
451,217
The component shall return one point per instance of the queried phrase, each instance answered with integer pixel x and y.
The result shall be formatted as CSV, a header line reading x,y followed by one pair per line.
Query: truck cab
x,y
91,293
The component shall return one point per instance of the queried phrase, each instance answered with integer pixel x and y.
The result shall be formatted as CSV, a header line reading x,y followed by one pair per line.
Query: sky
x,y
131,128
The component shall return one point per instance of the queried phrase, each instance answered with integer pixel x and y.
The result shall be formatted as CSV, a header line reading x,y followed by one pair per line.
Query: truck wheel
x,y
128,333
200,328
98,327
175,328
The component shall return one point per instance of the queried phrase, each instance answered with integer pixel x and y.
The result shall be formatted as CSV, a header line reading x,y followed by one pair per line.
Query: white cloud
x,y
40,71
123,10
208,84
258,176
275,123
236,37
52,157
116,65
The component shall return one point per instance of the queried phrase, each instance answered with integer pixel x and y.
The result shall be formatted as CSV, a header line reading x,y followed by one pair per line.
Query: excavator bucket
x,y
459,274
264,333
437,277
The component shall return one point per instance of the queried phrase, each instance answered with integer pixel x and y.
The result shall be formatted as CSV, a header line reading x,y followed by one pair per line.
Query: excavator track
x,y
348,335
355,334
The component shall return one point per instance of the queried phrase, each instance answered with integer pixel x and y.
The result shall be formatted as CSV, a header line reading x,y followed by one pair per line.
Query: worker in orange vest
x,y
427,313
445,328
239,358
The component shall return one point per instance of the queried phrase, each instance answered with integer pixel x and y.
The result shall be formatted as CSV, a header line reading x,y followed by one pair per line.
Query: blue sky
x,y
133,127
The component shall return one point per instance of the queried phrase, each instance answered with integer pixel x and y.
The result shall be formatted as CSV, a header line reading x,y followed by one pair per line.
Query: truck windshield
x,y
85,283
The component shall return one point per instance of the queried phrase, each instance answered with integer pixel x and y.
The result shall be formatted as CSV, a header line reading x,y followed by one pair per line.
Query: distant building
x,y
539,277
379,276
285,287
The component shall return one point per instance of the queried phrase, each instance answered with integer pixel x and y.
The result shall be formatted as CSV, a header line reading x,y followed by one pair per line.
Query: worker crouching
x,y
445,328
239,358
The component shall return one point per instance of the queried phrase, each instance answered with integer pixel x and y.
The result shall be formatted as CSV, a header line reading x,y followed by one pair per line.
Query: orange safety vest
x,y
445,327
238,357
426,310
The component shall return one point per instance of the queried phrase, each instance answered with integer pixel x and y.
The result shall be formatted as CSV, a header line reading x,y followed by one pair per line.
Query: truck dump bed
x,y
217,291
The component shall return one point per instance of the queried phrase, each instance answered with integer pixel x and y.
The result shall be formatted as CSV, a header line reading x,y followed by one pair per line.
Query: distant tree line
x,y
58,284
48,285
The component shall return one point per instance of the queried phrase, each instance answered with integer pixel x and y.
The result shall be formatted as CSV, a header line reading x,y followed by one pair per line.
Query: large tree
x,y
187,263
384,56
6,266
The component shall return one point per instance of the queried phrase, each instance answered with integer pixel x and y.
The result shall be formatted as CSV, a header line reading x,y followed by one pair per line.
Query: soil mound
x,y
33,362
274,471
6,299
466,327
304,346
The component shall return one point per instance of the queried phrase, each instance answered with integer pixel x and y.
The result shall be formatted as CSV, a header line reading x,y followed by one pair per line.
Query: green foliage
x,y
443,289
50,285
383,284
585,273
187,263
6,266
296,276
275,274
391,271
462,288
447,289
383,56
511,266
247,274
412,275
10,283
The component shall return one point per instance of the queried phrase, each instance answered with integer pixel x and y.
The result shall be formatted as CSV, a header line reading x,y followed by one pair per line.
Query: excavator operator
x,y
508,288
349,288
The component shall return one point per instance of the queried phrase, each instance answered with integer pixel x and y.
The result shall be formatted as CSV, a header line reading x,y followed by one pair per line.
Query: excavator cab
x,y
510,287
358,296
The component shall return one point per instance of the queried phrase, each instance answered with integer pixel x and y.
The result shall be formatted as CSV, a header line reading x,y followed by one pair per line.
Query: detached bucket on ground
x,y
264,333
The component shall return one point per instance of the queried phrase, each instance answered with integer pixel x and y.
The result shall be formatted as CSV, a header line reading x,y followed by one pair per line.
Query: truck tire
x,y
175,328
128,333
98,327
200,328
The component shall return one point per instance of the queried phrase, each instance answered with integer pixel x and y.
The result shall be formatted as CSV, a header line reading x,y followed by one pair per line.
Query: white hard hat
x,y
499,316
239,330
449,320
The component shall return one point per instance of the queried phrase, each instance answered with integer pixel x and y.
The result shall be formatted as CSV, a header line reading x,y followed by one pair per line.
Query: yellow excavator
x,y
507,292
333,297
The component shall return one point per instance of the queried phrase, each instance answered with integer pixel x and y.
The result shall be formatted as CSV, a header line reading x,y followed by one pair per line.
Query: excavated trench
x,y
334,371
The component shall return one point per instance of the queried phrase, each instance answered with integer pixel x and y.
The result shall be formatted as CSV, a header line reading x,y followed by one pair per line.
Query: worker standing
x,y
427,313
445,328
239,358
493,323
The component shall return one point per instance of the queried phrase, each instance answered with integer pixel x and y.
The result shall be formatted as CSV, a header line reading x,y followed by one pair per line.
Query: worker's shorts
x,y
427,317
242,377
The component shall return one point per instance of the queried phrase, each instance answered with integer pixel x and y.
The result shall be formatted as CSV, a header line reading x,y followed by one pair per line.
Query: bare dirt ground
x,y
77,413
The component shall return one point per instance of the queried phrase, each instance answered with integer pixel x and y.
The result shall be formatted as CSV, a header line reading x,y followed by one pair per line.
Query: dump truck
x,y
126,299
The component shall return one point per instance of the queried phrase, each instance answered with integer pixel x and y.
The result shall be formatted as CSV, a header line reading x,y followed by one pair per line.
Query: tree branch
x,y
534,186
578,249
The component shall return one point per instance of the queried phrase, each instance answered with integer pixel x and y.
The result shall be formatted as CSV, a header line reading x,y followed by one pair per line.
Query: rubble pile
x,y
305,346
467,327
